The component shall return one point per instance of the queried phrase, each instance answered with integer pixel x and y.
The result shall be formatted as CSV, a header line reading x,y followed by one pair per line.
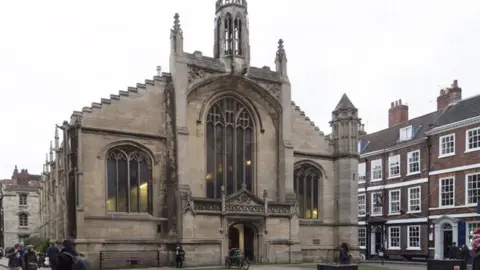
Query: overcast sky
x,y
59,56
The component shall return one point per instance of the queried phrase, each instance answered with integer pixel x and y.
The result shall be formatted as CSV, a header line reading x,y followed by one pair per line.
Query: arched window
x,y
228,34
230,146
238,35
23,220
129,181
306,183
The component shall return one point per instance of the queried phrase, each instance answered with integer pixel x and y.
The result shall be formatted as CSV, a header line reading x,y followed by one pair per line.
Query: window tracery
x,y
230,146
129,184
306,187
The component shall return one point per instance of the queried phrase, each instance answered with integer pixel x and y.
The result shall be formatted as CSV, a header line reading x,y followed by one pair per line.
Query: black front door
x,y
378,241
248,240
233,237
447,242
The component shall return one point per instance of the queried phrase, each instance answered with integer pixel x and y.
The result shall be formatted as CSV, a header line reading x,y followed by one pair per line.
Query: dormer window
x,y
361,145
406,133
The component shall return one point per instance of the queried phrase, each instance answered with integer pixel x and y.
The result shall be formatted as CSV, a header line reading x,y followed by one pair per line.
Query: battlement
x,y
222,3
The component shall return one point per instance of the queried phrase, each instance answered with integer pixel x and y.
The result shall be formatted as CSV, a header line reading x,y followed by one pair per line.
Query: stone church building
x,y
214,155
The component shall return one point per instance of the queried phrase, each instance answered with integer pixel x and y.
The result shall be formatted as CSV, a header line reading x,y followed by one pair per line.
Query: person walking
x,y
344,254
69,258
179,256
14,258
52,254
30,258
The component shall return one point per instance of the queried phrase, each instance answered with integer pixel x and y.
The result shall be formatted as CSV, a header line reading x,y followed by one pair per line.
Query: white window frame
x,y
440,191
390,201
441,143
372,202
470,227
394,163
362,172
410,162
419,188
390,237
467,189
362,205
409,236
374,164
406,133
467,140
364,230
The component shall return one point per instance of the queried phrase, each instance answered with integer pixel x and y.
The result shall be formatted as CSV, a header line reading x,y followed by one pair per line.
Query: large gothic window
x,y
129,181
306,183
230,147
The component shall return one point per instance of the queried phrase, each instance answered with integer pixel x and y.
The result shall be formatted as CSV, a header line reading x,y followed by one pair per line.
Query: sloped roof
x,y
464,109
344,103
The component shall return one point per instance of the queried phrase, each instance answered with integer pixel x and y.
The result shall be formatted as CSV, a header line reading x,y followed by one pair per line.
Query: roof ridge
x,y
122,93
307,119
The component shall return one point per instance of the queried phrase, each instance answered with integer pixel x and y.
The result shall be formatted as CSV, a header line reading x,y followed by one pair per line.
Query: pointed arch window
x,y
129,181
306,186
230,146
238,35
228,34
218,25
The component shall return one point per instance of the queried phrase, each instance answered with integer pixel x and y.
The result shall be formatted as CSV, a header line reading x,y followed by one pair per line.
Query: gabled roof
x,y
389,137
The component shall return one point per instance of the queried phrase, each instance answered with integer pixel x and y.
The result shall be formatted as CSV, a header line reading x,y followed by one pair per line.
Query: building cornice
x,y
395,147
455,125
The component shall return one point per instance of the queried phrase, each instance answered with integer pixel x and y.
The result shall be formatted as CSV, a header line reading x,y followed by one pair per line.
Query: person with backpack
x,y
52,254
69,259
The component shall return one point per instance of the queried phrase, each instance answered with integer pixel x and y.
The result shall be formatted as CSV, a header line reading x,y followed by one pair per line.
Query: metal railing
x,y
129,259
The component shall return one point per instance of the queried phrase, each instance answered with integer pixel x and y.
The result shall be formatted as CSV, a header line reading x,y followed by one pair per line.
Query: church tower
x,y
345,123
231,42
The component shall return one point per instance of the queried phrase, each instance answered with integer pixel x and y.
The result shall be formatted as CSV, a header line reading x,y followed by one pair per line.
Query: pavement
x,y
388,265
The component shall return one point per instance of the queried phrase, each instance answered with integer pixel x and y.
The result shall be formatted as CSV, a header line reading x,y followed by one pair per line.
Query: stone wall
x,y
13,233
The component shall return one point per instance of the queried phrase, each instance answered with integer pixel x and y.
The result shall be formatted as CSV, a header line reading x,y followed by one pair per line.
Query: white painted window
x,y
362,237
394,166
471,227
406,133
377,204
394,238
447,145
394,201
376,169
362,204
362,172
413,237
447,192
414,197
473,188
473,139
22,199
23,220
413,162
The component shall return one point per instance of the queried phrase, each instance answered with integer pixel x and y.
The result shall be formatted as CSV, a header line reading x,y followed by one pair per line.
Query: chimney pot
x,y
455,84
399,102
159,70
398,113
391,105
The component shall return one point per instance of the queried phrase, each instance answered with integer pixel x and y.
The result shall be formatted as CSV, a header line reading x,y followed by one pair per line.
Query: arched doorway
x,y
447,238
244,237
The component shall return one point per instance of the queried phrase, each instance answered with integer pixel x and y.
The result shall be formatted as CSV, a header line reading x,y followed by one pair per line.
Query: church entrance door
x,y
244,237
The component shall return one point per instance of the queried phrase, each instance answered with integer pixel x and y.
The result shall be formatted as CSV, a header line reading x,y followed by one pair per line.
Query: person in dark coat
x,y
179,256
14,258
344,254
454,252
65,260
465,252
52,254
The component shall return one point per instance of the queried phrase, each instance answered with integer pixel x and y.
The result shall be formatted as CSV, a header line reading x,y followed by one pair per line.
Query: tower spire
x,y
176,35
281,59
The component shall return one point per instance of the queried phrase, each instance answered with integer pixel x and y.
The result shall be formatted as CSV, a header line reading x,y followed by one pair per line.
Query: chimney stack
x,y
449,96
159,71
361,130
398,113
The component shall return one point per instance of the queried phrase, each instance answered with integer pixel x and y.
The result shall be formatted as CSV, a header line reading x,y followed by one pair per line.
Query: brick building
x,y
400,172
455,171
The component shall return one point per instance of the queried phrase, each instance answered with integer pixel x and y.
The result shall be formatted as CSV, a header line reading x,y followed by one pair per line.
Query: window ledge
x,y
394,177
394,248
376,215
414,248
376,180
446,207
362,182
414,212
446,155
472,150
471,205
412,173
394,214
364,247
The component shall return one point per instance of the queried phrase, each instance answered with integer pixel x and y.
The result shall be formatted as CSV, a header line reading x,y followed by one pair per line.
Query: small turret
x,y
176,35
345,124
281,59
